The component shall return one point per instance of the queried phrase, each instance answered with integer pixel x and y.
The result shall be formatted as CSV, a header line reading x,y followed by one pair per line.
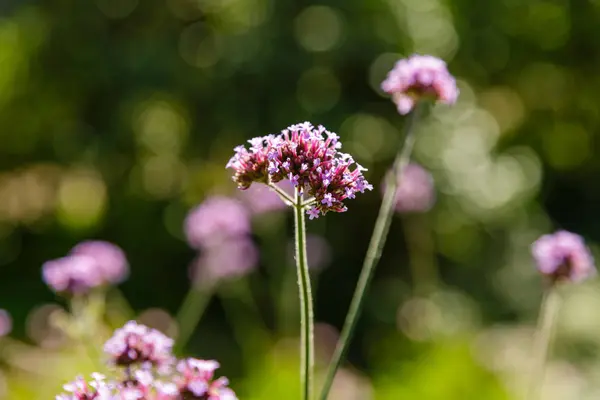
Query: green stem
x,y
382,227
189,314
542,341
283,195
86,312
306,306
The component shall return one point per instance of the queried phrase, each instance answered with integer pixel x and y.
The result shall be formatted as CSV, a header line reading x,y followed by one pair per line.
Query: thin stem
x,y
382,227
543,339
283,195
306,307
189,314
86,311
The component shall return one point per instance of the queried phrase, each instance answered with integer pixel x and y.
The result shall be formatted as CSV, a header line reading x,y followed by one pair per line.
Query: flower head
x,y
137,344
563,256
309,158
419,76
415,191
73,274
227,259
110,259
81,389
215,219
195,381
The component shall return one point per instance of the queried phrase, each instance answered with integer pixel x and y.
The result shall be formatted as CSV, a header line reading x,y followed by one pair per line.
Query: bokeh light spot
x,y
81,199
318,89
318,28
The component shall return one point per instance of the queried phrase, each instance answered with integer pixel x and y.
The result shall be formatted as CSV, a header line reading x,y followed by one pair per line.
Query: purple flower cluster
x,y
219,228
148,374
138,344
417,77
415,192
563,256
90,264
309,158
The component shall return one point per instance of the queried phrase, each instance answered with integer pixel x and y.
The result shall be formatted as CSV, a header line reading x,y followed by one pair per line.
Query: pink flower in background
x,y
137,344
261,199
215,219
563,256
110,259
419,76
5,323
415,192
228,259
74,274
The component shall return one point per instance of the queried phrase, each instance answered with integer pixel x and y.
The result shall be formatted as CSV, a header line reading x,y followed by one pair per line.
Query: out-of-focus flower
x,y
309,158
318,251
109,257
195,381
563,256
415,192
5,323
217,218
418,77
227,259
261,199
137,344
74,274
80,389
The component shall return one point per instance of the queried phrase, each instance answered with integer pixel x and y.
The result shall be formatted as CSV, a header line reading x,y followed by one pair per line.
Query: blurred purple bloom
x,y
80,389
195,381
137,344
419,76
110,259
307,155
227,259
215,219
5,323
75,274
563,256
261,199
415,192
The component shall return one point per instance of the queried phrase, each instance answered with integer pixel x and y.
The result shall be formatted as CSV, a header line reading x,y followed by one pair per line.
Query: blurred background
x,y
118,116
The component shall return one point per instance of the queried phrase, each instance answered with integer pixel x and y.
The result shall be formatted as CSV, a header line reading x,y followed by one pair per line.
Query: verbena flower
x,y
5,323
215,219
563,256
136,344
80,389
309,158
415,192
110,259
417,77
75,274
195,381
228,259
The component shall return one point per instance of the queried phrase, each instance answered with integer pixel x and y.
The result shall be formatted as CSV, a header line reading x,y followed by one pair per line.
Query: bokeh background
x,y
118,116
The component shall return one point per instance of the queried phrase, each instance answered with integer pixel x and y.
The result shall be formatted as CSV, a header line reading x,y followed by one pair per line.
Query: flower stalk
x,y
543,340
190,313
382,227
307,355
